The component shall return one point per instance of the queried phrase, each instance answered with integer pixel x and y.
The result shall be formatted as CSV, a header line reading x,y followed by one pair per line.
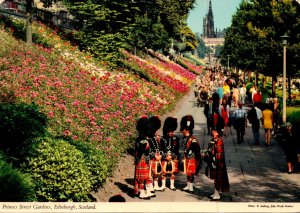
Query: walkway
x,y
256,173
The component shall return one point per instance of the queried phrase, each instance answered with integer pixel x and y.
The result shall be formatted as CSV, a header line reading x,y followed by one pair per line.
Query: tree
x,y
29,17
149,23
29,14
201,46
147,34
218,50
253,39
189,39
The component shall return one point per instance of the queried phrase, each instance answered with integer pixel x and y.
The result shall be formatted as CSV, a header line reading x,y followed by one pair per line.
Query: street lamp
x,y
284,42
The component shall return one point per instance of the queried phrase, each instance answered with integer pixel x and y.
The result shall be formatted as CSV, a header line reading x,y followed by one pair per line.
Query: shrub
x,y
19,123
293,116
15,185
58,170
96,162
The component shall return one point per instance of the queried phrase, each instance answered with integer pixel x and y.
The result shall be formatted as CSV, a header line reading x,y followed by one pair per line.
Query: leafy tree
x,y
253,39
218,50
147,34
189,39
201,46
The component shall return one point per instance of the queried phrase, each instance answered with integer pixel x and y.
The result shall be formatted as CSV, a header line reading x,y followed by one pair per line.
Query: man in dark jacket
x,y
216,99
208,112
254,117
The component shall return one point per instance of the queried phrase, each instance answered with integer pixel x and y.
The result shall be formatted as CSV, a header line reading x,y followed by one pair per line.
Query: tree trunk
x,y
274,80
256,78
29,12
289,88
249,76
264,82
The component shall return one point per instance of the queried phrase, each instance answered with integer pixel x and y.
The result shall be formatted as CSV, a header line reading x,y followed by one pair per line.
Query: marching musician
x,y
142,161
191,154
155,154
170,148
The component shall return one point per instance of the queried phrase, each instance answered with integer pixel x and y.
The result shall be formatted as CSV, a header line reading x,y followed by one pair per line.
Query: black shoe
x,y
215,199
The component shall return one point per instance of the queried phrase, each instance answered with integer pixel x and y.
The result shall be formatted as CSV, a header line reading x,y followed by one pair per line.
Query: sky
x,y
222,11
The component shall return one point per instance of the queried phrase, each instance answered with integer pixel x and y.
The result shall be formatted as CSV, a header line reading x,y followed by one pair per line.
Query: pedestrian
x,y
221,181
142,161
267,118
258,98
191,152
235,96
269,99
290,147
276,112
208,112
220,92
224,111
170,148
240,122
216,99
218,123
255,117
243,91
252,91
226,88
155,154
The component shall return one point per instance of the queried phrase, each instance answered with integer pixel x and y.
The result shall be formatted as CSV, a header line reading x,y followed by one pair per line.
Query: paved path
x,y
256,173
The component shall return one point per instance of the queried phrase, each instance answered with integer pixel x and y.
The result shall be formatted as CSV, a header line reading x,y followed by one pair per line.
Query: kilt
x,y
220,176
190,165
142,170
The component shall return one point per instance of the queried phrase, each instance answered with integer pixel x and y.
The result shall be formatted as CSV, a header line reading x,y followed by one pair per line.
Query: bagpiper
x,y
170,148
142,161
220,176
191,152
153,125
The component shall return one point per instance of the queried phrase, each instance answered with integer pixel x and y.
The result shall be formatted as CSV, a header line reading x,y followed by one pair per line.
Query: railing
x,y
44,16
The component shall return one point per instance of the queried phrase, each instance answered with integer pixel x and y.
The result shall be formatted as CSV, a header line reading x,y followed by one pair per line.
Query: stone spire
x,y
208,23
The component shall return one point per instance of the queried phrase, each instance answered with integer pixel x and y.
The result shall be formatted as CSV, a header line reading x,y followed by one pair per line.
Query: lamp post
x,y
284,42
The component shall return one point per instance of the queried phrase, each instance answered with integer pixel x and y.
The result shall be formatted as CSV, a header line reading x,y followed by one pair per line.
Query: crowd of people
x,y
157,157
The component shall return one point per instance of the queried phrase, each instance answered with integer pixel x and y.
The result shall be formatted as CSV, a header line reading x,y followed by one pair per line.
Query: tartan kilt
x,y
191,165
142,170
221,181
